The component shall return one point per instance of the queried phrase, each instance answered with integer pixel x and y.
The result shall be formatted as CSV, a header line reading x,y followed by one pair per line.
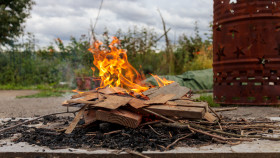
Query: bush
x,y
22,65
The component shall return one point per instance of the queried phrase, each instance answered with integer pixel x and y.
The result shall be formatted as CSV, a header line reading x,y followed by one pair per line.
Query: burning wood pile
x,y
115,106
142,117
123,98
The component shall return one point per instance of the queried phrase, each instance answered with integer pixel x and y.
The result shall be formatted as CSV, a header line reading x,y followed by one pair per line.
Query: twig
x,y
161,116
217,136
177,141
215,113
150,123
193,127
112,132
209,134
226,109
175,125
226,142
162,35
136,153
29,121
124,134
155,131
251,127
220,126
231,134
82,101
93,28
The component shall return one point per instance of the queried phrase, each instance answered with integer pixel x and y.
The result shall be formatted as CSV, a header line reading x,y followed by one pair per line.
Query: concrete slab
x,y
28,108
259,148
255,149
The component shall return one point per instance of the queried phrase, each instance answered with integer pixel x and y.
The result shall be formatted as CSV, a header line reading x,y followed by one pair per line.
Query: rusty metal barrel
x,y
246,52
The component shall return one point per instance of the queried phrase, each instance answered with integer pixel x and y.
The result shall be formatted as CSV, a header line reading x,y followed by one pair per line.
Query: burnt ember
x,y
147,136
135,139
11,132
94,137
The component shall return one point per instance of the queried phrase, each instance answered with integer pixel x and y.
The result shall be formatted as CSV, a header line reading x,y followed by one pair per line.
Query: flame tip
x,y
115,70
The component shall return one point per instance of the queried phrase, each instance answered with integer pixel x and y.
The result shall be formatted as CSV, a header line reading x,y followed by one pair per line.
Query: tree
x,y
13,14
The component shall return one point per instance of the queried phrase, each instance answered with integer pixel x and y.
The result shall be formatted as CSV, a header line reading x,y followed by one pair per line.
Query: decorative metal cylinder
x,y
246,49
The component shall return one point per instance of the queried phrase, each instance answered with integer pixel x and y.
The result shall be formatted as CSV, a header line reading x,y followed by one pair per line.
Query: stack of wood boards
x,y
116,106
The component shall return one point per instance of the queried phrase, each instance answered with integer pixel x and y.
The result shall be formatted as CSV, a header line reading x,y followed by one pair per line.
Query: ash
x,y
96,136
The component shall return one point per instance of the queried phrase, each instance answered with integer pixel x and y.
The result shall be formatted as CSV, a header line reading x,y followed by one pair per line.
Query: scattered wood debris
x,y
114,105
151,126
178,111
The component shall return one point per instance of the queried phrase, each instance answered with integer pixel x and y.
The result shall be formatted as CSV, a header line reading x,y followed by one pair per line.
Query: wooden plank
x,y
178,111
121,117
119,90
86,100
77,118
82,101
150,91
209,117
91,96
90,116
82,94
173,88
139,111
137,103
65,103
110,90
106,90
160,99
113,102
188,103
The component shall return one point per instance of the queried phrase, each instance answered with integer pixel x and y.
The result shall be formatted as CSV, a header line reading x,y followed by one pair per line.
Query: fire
x,y
161,82
116,71
76,91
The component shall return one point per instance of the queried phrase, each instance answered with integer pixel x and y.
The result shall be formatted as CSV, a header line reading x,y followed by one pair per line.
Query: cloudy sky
x,y
51,19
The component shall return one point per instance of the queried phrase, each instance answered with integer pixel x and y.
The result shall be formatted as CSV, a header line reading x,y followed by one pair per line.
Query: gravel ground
x,y
253,112
28,107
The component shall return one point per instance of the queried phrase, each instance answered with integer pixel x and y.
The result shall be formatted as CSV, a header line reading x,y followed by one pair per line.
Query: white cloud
x,y
59,18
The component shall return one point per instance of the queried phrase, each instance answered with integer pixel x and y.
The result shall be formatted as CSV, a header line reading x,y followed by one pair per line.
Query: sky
x,y
62,19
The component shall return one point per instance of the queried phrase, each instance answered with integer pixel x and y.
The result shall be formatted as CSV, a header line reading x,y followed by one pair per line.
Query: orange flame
x,y
161,82
115,70
76,91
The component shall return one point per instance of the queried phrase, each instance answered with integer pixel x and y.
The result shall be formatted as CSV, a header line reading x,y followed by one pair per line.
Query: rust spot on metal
x,y
247,52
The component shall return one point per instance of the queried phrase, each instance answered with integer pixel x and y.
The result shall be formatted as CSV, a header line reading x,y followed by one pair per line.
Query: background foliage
x,y
23,65
13,14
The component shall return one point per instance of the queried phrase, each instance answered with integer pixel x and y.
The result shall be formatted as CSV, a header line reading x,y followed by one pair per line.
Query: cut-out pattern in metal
x,y
246,52
220,53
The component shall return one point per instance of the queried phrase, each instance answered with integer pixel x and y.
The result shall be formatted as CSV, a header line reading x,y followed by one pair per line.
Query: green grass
x,y
209,99
32,87
16,87
43,94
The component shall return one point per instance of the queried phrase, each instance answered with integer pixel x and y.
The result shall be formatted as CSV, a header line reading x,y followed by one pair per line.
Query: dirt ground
x,y
10,106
